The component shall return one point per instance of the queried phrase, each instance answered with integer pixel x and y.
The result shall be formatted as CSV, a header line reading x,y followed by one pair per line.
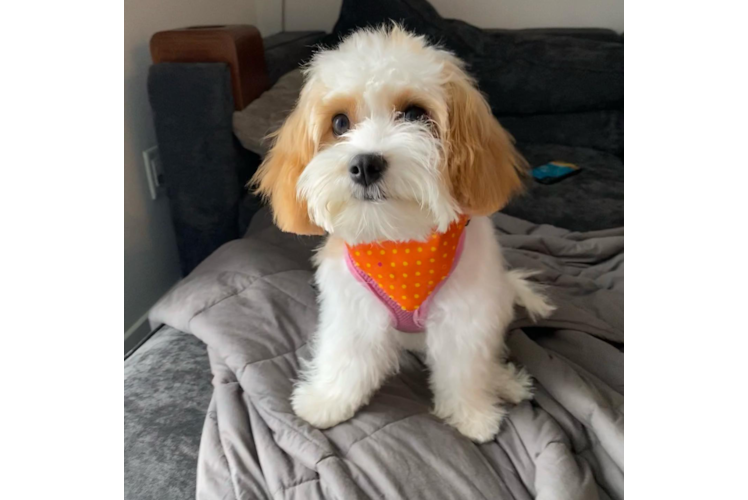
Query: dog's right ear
x,y
276,179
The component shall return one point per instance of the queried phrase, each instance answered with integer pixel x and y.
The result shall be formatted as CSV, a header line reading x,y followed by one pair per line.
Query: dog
x,y
391,148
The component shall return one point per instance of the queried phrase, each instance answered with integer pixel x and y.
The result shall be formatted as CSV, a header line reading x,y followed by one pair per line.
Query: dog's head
x,y
390,139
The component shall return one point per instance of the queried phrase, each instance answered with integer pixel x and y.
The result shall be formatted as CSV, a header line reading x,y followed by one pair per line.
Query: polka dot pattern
x,y
394,256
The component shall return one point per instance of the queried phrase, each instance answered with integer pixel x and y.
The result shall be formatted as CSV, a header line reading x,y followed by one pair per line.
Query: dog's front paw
x,y
515,386
313,405
477,424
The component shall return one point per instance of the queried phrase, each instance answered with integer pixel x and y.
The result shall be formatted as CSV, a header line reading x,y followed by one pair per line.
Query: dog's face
x,y
389,140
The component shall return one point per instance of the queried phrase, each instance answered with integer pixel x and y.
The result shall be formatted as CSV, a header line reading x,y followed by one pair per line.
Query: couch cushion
x,y
266,113
600,130
588,201
521,72
284,51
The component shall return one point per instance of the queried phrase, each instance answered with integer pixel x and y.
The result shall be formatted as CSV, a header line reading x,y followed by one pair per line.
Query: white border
x,y
669,253
716,241
686,231
686,204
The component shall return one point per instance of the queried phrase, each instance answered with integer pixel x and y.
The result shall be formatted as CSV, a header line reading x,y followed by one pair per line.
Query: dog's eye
x,y
340,124
414,113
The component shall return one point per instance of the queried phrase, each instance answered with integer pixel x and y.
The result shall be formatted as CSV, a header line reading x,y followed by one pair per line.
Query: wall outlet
x,y
153,171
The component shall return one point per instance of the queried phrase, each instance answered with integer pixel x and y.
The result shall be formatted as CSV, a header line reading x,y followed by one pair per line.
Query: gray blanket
x,y
252,303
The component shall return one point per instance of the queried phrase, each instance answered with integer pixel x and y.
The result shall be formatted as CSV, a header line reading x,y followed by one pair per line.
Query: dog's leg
x,y
353,352
465,340
469,380
350,362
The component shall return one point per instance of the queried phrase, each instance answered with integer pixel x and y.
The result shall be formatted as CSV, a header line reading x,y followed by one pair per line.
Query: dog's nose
x,y
366,169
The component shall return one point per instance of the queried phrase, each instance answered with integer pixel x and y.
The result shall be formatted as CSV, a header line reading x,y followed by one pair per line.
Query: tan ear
x,y
484,168
276,178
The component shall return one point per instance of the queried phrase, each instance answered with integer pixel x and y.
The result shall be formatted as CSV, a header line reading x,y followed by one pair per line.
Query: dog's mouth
x,y
373,193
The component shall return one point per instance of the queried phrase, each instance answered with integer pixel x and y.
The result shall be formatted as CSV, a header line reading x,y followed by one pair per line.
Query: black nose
x,y
367,169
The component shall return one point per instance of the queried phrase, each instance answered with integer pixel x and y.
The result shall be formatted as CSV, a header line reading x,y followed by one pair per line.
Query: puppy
x,y
393,152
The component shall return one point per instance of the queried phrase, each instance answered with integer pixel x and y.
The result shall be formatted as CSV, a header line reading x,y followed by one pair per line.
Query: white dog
x,y
391,148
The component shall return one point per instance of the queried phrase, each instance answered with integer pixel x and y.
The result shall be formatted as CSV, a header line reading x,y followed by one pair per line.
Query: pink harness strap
x,y
405,321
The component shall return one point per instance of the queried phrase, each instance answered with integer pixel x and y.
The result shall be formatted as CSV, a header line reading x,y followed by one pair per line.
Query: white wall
x,y
269,15
151,261
517,14
510,14
686,358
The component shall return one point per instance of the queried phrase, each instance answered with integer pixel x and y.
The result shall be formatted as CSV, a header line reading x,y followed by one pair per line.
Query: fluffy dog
x,y
391,147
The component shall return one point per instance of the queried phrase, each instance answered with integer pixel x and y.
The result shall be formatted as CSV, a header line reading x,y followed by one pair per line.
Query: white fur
x,y
417,199
374,68
355,348
529,295
465,338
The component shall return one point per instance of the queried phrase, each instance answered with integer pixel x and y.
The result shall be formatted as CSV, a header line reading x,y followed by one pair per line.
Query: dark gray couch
x,y
558,91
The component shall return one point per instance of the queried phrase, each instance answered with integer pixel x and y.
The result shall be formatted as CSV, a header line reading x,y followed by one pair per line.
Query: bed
x,y
206,396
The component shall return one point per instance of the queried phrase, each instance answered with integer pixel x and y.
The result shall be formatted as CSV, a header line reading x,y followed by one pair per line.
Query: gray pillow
x,y
266,113
522,72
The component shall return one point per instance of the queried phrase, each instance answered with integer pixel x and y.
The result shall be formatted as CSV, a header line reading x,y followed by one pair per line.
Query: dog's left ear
x,y
485,170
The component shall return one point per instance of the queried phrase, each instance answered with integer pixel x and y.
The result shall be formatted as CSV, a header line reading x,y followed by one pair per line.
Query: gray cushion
x,y
600,130
285,50
521,72
588,201
266,114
